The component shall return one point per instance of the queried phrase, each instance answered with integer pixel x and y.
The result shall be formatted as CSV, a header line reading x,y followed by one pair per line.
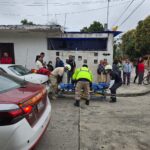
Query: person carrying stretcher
x,y
56,77
83,78
115,77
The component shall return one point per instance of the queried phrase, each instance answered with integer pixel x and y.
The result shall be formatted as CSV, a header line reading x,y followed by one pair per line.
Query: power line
x,y
89,10
124,12
57,4
69,13
132,13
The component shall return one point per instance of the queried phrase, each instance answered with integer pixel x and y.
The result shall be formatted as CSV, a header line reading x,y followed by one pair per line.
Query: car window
x,y
2,70
19,70
7,84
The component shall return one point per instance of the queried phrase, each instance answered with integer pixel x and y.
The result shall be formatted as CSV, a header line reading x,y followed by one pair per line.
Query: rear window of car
x,y
7,84
19,70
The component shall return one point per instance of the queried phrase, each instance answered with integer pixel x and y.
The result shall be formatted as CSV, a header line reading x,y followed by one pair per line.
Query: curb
x,y
134,94
71,95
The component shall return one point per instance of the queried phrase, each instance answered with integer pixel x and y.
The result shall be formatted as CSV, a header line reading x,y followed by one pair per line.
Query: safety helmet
x,y
108,67
68,67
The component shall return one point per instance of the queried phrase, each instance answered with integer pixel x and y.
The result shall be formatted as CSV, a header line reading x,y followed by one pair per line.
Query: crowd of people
x,y
119,72
124,69
82,77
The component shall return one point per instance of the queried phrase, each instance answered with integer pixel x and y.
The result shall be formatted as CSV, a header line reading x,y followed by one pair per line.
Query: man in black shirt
x,y
114,75
72,63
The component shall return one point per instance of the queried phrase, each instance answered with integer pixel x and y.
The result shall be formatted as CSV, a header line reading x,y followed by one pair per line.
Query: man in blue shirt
x,y
127,69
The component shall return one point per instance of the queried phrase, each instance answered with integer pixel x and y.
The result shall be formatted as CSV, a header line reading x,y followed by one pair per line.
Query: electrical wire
x,y
123,12
57,4
73,12
89,10
131,13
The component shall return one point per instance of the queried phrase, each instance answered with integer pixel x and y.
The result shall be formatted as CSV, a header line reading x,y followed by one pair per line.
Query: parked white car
x,y
25,112
25,74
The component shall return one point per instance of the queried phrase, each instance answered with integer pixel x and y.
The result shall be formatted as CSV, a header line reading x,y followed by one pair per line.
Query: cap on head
x,y
85,65
68,67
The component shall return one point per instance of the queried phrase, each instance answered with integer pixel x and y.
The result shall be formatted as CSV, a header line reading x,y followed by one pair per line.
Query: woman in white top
x,y
38,62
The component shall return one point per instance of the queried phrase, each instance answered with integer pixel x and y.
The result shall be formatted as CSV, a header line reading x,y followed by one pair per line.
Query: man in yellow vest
x,y
83,78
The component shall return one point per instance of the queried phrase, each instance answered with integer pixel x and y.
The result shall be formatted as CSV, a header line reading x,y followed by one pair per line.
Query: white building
x,y
23,43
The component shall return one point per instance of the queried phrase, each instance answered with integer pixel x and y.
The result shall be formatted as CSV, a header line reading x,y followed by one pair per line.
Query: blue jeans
x,y
126,76
69,76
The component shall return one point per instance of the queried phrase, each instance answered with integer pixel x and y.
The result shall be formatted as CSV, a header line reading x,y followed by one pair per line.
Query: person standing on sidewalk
x,y
136,69
141,69
59,62
42,55
83,78
127,69
115,77
72,63
106,76
50,66
100,71
56,77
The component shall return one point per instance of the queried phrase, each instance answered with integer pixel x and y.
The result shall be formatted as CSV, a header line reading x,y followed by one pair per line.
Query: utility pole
x,y
65,21
47,11
108,13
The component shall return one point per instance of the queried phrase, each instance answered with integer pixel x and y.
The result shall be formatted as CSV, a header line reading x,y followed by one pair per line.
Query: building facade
x,y
23,43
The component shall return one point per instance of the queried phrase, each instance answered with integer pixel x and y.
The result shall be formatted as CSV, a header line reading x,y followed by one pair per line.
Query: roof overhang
x,y
115,33
31,28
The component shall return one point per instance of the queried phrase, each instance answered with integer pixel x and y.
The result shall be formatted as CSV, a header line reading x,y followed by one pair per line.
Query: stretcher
x,y
98,89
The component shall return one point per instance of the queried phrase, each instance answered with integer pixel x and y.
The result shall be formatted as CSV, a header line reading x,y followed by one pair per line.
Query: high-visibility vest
x,y
83,73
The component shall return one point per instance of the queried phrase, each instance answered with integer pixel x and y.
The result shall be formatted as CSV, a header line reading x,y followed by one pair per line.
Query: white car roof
x,y
7,65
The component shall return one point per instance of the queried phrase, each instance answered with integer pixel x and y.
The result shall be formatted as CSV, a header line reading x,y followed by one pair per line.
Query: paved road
x,y
101,126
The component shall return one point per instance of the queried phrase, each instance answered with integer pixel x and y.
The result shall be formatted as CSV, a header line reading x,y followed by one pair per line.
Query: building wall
x,y
88,55
28,45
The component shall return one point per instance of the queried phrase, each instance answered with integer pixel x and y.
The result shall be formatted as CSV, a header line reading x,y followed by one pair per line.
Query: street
x,y
100,126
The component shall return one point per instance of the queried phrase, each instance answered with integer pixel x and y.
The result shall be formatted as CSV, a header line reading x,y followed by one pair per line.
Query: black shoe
x,y
113,100
77,103
87,102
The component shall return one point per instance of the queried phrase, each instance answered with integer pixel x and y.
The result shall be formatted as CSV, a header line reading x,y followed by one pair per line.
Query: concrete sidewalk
x,y
124,91
133,90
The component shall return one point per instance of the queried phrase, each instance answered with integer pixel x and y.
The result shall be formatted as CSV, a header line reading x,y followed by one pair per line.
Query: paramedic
x,y
114,76
56,77
83,78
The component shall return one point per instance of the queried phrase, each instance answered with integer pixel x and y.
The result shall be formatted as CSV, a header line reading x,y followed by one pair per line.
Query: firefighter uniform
x,y
83,78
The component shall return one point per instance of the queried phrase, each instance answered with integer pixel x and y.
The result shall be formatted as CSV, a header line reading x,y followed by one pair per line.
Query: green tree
x,y
117,51
136,42
142,39
128,43
26,22
94,27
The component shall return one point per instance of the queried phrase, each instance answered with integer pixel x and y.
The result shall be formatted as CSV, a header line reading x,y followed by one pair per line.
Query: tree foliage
x,y
117,53
94,27
26,22
128,43
136,42
142,39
